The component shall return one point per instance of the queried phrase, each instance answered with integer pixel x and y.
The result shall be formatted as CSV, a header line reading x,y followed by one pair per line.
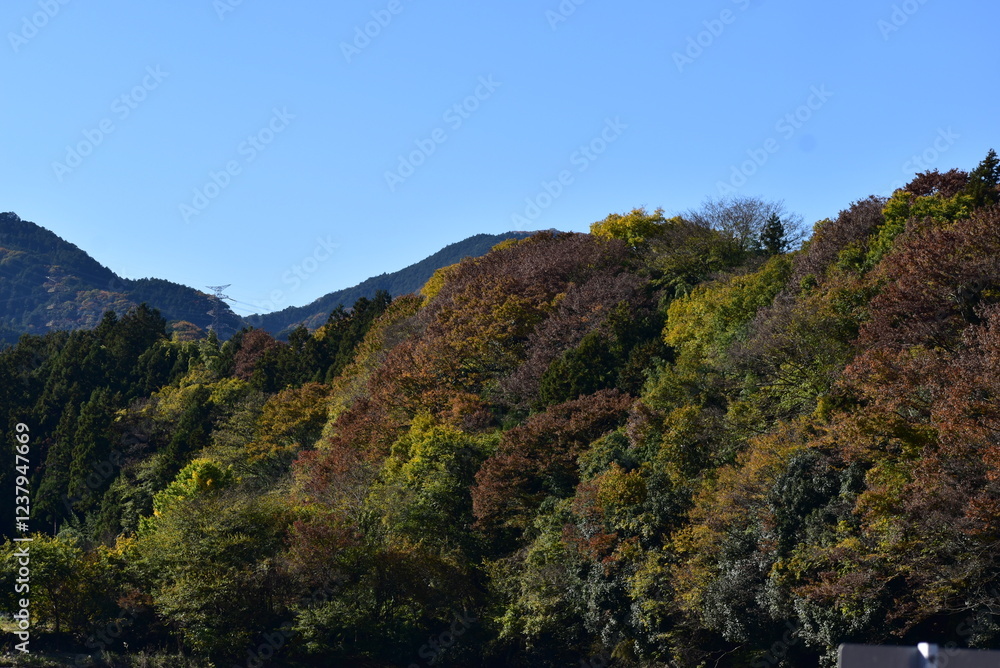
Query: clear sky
x,y
231,141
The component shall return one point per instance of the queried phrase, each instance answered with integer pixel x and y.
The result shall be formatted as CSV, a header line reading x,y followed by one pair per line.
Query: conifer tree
x,y
773,238
983,181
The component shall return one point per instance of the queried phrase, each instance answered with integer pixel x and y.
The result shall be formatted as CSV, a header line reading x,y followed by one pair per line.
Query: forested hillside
x,y
47,283
676,442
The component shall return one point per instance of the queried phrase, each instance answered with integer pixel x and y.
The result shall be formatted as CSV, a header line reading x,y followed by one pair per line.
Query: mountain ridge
x,y
48,283
403,281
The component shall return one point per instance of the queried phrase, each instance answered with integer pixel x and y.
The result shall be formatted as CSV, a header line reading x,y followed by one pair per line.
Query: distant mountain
x,y
404,281
48,283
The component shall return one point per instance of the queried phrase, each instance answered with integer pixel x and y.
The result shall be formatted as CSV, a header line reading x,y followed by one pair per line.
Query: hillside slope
x,y
406,280
48,283
663,443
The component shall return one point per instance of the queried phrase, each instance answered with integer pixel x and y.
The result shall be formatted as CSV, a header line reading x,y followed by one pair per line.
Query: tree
x,y
437,280
933,182
688,254
773,237
744,219
253,345
210,553
427,479
66,584
840,242
538,459
91,446
190,434
580,312
609,356
583,370
290,421
983,181
53,490
635,228
704,324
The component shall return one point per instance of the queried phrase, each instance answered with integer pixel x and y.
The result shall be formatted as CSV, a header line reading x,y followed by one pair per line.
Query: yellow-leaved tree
x,y
635,228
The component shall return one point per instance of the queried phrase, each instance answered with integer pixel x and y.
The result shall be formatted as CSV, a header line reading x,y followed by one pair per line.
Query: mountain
x,y
48,283
404,281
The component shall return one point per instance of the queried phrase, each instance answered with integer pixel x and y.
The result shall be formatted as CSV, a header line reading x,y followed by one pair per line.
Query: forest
x,y
718,439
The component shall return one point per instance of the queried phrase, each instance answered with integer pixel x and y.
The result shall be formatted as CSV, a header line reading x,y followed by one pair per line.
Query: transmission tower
x,y
217,300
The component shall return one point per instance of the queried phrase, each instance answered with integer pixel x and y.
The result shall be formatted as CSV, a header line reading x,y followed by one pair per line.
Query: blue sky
x,y
226,141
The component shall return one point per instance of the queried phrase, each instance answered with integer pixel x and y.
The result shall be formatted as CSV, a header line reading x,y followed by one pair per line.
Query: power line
x,y
256,307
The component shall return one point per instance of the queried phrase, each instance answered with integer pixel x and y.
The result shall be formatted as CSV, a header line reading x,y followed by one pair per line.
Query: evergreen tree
x,y
91,447
53,501
189,436
983,181
773,237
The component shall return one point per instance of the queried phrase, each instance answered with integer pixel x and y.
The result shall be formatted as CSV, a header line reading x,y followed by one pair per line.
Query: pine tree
x,y
983,181
773,237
